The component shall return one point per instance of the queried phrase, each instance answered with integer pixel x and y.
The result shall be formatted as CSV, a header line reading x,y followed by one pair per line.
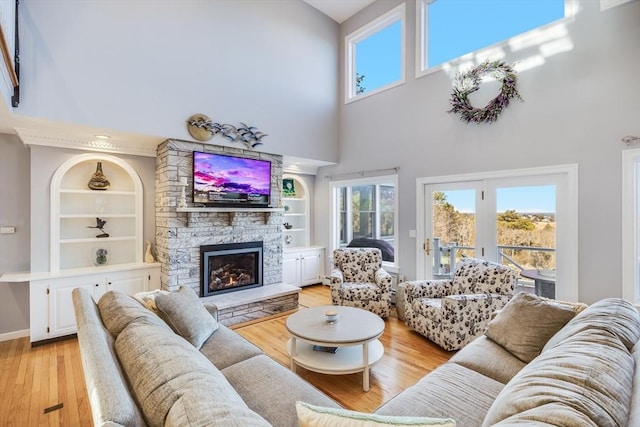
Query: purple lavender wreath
x,y
469,82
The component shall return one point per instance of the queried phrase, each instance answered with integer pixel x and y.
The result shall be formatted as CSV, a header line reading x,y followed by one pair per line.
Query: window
x,y
365,208
449,29
375,56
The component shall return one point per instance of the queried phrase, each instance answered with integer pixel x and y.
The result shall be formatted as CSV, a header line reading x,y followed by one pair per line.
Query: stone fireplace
x,y
180,232
230,267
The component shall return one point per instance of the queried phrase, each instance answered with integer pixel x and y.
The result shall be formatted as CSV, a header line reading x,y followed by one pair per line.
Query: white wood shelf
x,y
98,239
94,215
98,192
27,276
227,210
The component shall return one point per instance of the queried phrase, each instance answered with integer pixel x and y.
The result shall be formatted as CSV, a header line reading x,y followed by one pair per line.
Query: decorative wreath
x,y
469,82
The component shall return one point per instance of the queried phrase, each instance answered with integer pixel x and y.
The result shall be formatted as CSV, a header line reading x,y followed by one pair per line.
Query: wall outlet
x,y
7,230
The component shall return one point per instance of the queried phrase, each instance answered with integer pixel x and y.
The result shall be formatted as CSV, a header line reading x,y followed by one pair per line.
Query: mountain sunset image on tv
x,y
221,180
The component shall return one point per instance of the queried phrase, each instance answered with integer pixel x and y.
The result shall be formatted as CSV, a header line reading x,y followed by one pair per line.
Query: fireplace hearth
x,y
230,267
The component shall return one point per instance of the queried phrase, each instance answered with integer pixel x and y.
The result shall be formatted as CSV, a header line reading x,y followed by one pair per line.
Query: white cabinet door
x,y
62,319
291,268
311,267
129,282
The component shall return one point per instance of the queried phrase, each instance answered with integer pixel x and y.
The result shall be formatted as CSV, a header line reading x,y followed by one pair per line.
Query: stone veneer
x,y
179,235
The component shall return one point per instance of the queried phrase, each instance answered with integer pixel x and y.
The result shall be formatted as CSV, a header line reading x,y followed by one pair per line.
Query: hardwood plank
x,y
34,378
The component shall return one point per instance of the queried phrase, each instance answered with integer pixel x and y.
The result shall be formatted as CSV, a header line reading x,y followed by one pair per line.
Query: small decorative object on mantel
x,y
203,129
100,223
148,256
182,203
468,82
98,181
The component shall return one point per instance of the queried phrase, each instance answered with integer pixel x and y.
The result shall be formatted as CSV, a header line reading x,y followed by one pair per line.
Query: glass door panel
x,y
526,235
451,226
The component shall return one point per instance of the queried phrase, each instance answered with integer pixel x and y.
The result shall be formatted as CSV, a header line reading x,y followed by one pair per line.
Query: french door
x,y
525,219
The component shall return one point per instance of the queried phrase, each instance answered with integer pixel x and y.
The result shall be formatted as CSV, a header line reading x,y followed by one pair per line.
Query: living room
x,y
136,71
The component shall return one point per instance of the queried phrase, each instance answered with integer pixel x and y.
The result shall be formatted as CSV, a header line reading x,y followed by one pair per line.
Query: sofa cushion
x,y
195,409
186,315
450,391
162,367
261,376
226,348
317,416
584,381
488,358
616,315
526,323
118,309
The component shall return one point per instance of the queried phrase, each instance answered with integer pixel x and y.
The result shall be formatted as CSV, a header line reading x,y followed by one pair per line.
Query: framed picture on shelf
x,y
288,188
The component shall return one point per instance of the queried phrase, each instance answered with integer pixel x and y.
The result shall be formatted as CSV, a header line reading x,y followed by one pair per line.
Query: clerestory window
x,y
375,56
450,29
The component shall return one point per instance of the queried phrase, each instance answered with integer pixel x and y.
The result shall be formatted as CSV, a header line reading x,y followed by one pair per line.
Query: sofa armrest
x,y
336,277
383,280
426,289
212,309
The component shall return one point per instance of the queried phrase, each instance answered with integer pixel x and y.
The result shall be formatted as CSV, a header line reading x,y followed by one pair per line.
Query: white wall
x,y
14,248
146,66
577,106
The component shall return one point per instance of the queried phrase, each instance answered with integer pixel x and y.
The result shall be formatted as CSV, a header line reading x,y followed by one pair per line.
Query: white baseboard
x,y
14,335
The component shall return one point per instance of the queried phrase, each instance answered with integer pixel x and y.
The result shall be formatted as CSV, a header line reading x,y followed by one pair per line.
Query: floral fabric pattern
x,y
451,313
358,280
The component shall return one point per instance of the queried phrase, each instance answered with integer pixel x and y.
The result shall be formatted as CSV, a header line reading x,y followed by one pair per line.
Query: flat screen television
x,y
229,181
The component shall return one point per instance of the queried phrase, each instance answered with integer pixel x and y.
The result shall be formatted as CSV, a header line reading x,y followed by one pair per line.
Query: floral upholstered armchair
x,y
453,312
358,280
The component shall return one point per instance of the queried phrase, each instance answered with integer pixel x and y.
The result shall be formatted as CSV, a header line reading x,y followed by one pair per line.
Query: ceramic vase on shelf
x,y
148,256
100,256
98,181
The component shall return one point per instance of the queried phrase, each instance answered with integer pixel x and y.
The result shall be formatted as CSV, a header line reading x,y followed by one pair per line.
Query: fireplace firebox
x,y
230,267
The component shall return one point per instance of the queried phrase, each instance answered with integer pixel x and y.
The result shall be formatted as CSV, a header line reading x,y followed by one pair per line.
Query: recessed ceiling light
x,y
102,136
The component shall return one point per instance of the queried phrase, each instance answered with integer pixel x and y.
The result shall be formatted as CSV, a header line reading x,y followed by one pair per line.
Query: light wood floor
x,y
34,382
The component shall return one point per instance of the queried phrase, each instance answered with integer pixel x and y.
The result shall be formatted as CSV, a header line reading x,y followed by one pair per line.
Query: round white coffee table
x,y
355,334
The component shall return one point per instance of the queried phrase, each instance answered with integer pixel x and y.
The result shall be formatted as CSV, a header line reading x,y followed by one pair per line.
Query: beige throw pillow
x,y
317,416
526,323
184,312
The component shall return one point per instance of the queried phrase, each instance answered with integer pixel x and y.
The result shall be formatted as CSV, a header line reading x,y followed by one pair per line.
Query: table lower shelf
x,y
346,360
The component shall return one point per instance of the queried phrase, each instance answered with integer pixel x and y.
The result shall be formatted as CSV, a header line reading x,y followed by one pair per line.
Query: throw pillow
x,y
184,312
148,299
317,416
118,309
526,323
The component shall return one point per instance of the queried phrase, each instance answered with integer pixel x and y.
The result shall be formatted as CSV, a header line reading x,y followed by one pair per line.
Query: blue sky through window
x,y
379,58
458,27
533,199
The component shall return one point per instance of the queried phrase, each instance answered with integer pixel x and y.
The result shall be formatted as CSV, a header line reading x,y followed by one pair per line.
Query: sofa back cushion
x,y
526,323
186,315
118,309
585,380
476,276
358,264
615,315
162,367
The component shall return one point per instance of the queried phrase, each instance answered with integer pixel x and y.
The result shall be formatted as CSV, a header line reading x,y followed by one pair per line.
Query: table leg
x,y
365,360
293,353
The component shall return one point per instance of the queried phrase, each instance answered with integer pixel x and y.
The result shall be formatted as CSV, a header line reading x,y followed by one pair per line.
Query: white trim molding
x,y
630,211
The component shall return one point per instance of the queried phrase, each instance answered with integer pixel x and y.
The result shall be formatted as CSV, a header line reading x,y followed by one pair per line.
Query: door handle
x,y
427,246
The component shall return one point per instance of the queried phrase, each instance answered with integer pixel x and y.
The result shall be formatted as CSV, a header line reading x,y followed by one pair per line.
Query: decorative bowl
x,y
331,316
